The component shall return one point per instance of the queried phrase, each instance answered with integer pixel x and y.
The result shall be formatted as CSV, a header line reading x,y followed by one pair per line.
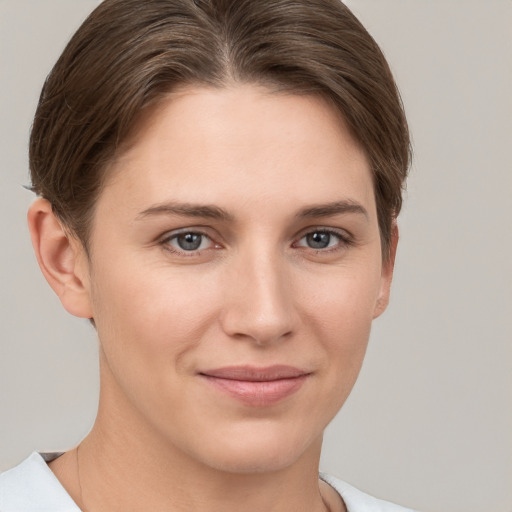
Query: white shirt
x,y
32,487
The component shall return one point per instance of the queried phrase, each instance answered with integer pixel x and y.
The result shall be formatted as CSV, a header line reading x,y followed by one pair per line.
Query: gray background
x,y
430,420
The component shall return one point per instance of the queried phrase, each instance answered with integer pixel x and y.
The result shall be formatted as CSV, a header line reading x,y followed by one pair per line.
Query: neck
x,y
125,476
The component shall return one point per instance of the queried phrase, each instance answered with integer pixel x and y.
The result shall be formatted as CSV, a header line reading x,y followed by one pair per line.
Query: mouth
x,y
257,386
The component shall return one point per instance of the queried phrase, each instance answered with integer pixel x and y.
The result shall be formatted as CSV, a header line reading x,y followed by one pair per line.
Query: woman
x,y
219,182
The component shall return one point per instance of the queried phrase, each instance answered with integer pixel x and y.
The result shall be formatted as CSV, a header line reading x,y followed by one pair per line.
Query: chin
x,y
260,451
255,463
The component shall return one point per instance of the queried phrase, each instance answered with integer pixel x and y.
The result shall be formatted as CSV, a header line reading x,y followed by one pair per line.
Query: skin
x,y
255,293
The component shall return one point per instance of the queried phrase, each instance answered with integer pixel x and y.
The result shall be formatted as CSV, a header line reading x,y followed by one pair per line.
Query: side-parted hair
x,y
128,54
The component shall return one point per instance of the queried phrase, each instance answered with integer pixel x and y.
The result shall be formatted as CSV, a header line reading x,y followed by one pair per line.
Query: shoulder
x,y
358,501
32,487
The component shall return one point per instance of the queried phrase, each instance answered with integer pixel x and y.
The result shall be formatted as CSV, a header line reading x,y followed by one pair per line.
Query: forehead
x,y
241,145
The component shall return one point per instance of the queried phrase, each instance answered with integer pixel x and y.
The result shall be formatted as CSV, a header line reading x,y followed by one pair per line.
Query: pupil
x,y
189,241
319,240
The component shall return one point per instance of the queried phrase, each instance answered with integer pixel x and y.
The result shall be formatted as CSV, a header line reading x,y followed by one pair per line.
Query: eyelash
x,y
345,240
165,243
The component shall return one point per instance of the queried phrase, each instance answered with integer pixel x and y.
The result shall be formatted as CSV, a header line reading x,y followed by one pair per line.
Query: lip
x,y
257,386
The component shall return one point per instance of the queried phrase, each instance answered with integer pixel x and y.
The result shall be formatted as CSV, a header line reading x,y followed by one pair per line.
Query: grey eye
x,y
189,241
321,239
318,240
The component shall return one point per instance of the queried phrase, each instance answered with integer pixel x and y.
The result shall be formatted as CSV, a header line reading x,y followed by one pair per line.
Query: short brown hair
x,y
129,53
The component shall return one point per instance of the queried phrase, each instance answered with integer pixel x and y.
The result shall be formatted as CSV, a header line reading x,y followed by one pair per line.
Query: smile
x,y
257,386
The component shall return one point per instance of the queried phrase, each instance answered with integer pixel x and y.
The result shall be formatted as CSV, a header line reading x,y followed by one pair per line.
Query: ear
x,y
61,257
387,274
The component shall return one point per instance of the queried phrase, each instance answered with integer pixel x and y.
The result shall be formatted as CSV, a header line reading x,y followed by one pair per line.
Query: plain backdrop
x,y
429,422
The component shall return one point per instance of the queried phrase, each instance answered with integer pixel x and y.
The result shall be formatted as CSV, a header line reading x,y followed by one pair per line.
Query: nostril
x,y
258,329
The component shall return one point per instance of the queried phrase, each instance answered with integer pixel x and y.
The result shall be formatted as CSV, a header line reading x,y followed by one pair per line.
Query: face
x,y
234,272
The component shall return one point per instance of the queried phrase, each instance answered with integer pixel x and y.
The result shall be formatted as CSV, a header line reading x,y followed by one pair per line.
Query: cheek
x,y
340,314
153,317
343,299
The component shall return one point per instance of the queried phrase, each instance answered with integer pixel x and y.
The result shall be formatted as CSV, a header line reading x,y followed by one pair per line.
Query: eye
x,y
188,241
322,239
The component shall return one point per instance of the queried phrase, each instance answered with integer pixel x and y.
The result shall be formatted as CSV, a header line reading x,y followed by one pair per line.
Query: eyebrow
x,y
331,209
186,210
217,213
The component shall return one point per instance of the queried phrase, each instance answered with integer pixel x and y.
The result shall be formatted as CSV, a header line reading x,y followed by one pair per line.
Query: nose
x,y
258,302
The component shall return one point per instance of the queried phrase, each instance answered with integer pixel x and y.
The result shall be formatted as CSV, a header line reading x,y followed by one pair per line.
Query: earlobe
x,y
61,258
387,274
